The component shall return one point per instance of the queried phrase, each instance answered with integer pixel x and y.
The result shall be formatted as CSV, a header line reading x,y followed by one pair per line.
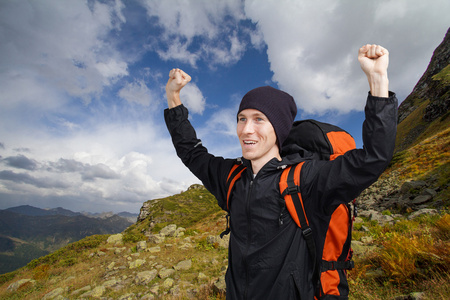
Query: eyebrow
x,y
256,114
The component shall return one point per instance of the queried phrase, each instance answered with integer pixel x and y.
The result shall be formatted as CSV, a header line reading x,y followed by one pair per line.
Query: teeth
x,y
249,142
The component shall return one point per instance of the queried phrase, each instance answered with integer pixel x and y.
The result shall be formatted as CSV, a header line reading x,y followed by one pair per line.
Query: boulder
x,y
81,290
165,273
169,230
141,246
154,249
115,239
97,292
425,211
137,263
53,294
168,283
179,232
220,242
410,186
183,265
144,278
421,199
19,283
219,286
156,238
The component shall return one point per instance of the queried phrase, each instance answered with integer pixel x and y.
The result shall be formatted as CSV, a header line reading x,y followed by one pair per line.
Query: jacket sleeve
x,y
329,183
211,170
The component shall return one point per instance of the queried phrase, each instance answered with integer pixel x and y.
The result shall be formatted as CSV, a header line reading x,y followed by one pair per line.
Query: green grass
x,y
69,254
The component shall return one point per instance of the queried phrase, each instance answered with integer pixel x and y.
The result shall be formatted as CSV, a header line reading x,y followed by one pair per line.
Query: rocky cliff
x,y
425,111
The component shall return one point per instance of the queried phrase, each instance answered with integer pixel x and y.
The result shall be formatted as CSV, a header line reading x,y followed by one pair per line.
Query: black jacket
x,y
269,259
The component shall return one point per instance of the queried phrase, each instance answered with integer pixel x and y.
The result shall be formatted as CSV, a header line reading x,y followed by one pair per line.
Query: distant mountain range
x,y
28,210
28,232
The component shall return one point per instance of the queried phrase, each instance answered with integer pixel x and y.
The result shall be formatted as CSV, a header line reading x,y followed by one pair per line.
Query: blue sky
x,y
82,83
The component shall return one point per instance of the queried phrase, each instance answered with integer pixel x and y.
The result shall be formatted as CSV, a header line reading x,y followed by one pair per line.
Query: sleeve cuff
x,y
392,96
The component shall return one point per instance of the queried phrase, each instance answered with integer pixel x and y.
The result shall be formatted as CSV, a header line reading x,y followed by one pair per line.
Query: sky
x,y
82,83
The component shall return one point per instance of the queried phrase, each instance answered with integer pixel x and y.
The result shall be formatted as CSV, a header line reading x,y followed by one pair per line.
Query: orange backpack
x,y
325,142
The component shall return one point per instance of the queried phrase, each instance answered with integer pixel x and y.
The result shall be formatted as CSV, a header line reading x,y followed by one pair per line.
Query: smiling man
x,y
268,254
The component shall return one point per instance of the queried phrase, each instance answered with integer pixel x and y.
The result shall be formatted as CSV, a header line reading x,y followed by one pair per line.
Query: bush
x,y
400,255
443,227
133,237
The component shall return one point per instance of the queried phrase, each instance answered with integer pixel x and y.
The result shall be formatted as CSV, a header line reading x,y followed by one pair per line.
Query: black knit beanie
x,y
278,106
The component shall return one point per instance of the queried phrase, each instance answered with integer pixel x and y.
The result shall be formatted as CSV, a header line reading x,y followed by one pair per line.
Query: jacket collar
x,y
275,164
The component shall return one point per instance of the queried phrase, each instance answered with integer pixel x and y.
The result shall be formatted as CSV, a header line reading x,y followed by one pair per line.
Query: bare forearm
x,y
173,99
379,85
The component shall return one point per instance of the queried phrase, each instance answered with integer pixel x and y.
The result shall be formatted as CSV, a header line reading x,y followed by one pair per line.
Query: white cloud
x,y
59,44
194,18
312,46
137,92
227,54
193,98
111,70
178,51
215,21
118,165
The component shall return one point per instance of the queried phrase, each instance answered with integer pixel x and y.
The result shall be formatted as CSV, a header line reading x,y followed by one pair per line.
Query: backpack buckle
x,y
307,232
292,190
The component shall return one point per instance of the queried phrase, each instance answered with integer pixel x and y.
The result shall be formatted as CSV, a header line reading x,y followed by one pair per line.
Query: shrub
x,y
443,227
133,237
399,256
41,272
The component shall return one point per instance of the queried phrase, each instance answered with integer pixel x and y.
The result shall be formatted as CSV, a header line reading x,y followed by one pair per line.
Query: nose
x,y
248,127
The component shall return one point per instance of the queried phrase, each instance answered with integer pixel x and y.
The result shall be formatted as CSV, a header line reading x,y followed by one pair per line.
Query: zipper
x,y
283,208
247,277
281,217
282,202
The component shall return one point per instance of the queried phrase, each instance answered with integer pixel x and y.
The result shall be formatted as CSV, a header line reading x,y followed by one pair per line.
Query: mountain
x,y
401,238
425,111
129,216
28,210
28,232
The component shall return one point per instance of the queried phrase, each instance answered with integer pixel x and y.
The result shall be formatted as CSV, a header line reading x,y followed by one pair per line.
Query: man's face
x,y
257,136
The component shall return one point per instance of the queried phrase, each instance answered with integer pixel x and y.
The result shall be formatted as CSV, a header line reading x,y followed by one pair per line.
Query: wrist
x,y
173,98
379,85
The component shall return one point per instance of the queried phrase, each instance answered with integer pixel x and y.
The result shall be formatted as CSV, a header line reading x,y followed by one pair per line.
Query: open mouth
x,y
249,142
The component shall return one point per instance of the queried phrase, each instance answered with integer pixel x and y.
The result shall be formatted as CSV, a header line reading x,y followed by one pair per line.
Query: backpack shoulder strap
x,y
234,174
290,190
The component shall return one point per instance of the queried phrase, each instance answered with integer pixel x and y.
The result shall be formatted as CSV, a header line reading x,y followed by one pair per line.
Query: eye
x,y
259,119
242,119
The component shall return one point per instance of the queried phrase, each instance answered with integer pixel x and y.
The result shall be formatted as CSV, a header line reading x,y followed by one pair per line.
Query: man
x,y
269,259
